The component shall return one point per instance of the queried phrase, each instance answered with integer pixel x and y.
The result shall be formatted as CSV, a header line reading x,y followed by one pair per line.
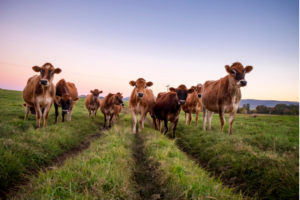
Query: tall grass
x,y
24,148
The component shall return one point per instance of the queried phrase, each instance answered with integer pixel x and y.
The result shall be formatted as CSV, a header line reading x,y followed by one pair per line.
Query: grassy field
x,y
24,148
260,159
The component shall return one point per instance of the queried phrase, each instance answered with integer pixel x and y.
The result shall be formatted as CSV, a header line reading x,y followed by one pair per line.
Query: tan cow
x,y
193,104
39,92
107,107
92,102
224,95
66,97
141,102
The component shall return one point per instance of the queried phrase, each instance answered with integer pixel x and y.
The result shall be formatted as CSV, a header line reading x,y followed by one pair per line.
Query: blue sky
x,y
105,44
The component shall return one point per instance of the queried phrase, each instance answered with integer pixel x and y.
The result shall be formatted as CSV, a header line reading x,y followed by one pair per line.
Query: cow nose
x,y
122,104
181,101
199,95
141,94
43,82
243,83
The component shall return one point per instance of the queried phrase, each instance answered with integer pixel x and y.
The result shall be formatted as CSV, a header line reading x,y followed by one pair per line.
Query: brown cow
x,y
39,92
193,104
92,102
167,107
141,102
224,95
66,97
107,107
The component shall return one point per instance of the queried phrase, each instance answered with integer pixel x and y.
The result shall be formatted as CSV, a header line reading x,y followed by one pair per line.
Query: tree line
x,y
278,109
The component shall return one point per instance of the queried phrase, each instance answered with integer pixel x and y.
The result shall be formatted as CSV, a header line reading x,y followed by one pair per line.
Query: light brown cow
x,y
107,107
92,102
39,92
141,102
66,97
224,95
193,104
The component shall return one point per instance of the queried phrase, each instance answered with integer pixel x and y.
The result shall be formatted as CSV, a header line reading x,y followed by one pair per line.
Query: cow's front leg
x,y
104,120
38,115
174,127
27,109
134,121
222,119
141,121
197,117
110,120
45,114
166,126
56,112
209,115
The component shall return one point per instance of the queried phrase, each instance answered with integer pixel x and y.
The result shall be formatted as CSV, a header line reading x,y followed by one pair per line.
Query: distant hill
x,y
269,103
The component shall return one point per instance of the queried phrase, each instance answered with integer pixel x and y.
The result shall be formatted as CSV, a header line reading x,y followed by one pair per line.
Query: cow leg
x,y
186,118
38,115
174,127
190,118
204,119
166,126
231,120
56,112
95,113
134,121
104,120
141,121
209,115
222,119
70,114
89,112
197,117
27,109
63,116
45,114
110,119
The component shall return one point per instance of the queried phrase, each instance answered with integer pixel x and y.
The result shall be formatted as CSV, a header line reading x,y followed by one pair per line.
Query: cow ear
x,y
172,89
149,84
229,70
91,91
100,91
191,90
57,71
36,68
248,69
76,99
132,83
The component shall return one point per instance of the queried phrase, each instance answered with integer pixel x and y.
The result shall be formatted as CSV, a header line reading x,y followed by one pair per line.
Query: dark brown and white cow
x,y
92,102
141,102
168,105
224,95
39,92
66,97
193,104
107,107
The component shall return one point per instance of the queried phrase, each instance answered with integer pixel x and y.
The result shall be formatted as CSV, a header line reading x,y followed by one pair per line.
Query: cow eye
x,y
145,86
136,86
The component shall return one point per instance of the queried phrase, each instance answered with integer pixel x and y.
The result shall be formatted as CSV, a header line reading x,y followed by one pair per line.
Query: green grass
x,y
260,158
104,171
24,148
182,176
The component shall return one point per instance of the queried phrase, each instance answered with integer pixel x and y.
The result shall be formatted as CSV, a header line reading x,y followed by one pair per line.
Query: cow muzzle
x,y
65,111
181,102
140,95
44,82
243,83
199,95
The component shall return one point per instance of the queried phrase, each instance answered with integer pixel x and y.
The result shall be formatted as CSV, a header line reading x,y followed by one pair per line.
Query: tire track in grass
x,y
146,173
57,162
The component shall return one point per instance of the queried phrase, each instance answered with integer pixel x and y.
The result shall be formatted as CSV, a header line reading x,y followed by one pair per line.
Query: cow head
x,y
140,86
182,93
47,72
66,102
118,99
96,93
237,72
197,90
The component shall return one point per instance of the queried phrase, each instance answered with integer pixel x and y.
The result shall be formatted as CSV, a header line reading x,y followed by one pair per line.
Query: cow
x,y
39,92
141,102
224,95
107,107
92,102
193,104
66,98
168,106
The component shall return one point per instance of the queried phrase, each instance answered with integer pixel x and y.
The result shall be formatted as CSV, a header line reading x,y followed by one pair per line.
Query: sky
x,y
106,44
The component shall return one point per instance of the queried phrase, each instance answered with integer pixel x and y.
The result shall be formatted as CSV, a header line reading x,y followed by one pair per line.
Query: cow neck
x,y
42,90
233,89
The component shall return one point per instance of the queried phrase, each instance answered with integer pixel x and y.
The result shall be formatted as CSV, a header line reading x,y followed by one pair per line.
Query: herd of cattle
x,y
221,96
